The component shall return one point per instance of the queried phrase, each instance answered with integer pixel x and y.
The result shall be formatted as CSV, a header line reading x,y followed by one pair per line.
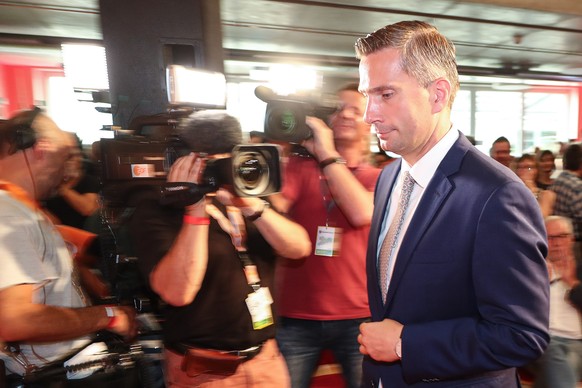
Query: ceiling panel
x,y
495,35
77,19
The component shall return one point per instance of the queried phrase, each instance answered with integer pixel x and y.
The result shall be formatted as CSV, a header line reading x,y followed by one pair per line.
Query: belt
x,y
245,354
199,361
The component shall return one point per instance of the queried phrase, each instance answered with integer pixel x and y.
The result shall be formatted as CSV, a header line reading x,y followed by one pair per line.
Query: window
x,y
538,117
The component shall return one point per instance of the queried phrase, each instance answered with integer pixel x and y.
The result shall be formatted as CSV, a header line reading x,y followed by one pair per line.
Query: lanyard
x,y
328,201
234,225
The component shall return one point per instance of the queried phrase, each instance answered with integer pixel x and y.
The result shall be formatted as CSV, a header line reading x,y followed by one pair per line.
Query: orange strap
x,y
19,194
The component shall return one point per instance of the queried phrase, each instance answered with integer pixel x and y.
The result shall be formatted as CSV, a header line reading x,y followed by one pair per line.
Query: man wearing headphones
x,y
44,316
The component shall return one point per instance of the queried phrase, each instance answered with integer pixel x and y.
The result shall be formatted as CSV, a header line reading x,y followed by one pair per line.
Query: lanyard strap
x,y
234,225
328,201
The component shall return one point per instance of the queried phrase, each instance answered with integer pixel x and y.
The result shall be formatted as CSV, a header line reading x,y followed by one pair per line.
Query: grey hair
x,y
210,131
565,220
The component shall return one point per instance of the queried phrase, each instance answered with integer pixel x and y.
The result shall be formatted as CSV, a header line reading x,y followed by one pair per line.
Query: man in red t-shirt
x,y
323,299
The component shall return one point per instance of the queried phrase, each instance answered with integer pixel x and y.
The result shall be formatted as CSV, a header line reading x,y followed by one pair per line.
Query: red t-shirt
x,y
320,287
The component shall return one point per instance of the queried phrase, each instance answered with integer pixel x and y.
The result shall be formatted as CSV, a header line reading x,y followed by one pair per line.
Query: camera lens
x,y
285,121
282,121
288,121
251,173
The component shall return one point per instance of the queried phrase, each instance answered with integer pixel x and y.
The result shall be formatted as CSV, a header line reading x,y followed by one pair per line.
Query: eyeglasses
x,y
559,236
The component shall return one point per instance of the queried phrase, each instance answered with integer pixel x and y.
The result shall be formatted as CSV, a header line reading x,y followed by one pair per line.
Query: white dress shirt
x,y
422,172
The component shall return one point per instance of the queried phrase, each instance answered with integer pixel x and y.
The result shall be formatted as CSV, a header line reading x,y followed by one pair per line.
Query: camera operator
x,y
213,263
323,298
44,316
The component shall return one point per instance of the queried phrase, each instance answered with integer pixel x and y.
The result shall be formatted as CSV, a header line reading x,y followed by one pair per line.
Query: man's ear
x,y
440,94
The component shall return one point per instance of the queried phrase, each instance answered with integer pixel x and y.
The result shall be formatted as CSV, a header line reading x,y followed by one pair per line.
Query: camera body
x,y
285,115
135,163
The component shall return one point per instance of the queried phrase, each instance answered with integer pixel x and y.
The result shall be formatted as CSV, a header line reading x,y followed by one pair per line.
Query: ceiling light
x,y
510,87
573,71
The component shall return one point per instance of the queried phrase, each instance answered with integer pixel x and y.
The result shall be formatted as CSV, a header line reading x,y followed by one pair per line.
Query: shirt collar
x,y
19,194
424,169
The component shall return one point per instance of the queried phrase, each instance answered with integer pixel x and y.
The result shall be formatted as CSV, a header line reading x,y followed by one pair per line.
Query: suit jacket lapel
x,y
435,194
431,201
381,198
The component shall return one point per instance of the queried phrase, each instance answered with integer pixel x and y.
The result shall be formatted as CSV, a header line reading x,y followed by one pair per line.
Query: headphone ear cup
x,y
25,137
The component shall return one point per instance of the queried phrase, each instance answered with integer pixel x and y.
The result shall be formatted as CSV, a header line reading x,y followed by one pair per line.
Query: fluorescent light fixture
x,y
191,86
85,66
259,74
289,79
573,70
510,87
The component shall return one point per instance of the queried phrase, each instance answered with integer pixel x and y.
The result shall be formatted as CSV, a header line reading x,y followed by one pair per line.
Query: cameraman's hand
x,y
321,145
125,323
247,205
188,168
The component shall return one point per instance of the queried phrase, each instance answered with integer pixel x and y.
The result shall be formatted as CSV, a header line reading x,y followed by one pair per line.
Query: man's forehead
x,y
557,225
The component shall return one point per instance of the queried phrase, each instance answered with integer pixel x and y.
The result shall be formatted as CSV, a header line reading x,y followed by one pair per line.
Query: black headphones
x,y
21,127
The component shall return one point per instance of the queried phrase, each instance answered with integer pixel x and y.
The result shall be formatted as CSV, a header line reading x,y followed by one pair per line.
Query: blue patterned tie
x,y
389,243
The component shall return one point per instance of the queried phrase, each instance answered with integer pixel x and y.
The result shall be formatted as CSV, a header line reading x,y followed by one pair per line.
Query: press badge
x,y
259,305
328,241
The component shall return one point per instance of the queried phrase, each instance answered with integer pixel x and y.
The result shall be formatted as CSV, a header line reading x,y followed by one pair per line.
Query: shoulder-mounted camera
x,y
285,115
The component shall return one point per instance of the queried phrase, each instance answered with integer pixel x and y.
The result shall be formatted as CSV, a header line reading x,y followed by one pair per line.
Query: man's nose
x,y
370,115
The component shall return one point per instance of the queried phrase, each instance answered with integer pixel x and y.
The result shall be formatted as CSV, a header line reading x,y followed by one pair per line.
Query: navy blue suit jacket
x,y
470,284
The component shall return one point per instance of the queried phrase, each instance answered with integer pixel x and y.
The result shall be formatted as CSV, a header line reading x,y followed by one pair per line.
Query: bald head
x,y
33,152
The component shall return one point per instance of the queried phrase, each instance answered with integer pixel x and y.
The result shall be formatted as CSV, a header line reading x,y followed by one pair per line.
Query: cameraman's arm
x,y
85,204
354,200
178,276
26,321
280,203
287,238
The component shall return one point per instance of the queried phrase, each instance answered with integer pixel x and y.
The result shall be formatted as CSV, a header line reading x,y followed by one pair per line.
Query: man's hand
x,y
564,264
378,339
125,323
247,205
322,145
188,168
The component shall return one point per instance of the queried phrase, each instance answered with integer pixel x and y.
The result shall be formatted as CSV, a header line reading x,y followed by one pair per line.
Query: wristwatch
x,y
326,162
259,213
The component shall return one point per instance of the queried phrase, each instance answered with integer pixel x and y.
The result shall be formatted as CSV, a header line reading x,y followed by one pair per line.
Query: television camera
x,y
135,163
143,159
285,115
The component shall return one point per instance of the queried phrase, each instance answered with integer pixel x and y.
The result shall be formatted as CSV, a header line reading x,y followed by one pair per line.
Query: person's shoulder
x,y
296,158
300,164
566,182
10,206
367,171
487,169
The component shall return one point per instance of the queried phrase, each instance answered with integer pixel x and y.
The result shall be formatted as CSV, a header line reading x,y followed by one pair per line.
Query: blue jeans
x,y
301,342
560,365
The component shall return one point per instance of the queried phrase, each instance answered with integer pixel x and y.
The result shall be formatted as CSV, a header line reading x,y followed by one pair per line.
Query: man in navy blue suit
x,y
466,284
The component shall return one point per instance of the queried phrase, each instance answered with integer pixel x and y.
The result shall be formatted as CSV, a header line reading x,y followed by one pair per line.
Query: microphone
x,y
265,94
210,131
